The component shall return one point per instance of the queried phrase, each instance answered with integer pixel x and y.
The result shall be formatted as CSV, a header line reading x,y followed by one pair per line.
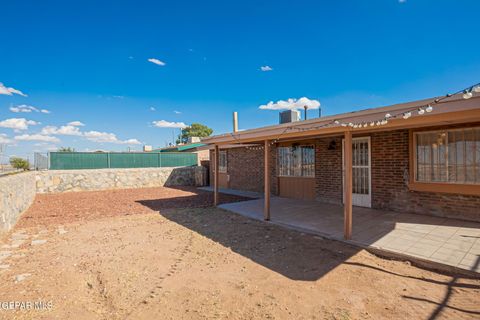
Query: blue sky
x,y
87,61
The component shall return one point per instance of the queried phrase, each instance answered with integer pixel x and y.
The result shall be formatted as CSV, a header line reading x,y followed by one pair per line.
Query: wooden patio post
x,y
347,183
215,176
266,205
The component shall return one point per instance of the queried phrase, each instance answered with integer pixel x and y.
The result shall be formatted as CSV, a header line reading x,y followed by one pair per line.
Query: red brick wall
x,y
328,170
390,165
246,169
390,169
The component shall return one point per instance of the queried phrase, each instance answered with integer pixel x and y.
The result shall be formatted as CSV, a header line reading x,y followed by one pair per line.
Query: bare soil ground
x,y
162,253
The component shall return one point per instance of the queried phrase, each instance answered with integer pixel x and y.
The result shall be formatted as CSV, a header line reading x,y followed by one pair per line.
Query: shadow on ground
x,y
295,255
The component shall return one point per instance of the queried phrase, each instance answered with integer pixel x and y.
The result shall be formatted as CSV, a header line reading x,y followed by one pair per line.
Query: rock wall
x,y
17,192
54,181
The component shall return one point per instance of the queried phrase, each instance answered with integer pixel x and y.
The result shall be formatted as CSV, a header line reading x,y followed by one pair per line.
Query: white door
x,y
361,172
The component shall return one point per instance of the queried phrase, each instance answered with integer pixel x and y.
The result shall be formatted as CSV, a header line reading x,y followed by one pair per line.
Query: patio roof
x,y
449,111
181,148
434,112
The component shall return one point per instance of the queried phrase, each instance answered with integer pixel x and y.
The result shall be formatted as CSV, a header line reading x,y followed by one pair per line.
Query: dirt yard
x,y
162,253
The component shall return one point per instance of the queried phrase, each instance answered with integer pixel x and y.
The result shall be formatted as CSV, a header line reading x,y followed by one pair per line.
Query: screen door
x,y
361,172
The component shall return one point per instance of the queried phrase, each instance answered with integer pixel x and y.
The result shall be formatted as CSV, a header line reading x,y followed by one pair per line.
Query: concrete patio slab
x,y
441,240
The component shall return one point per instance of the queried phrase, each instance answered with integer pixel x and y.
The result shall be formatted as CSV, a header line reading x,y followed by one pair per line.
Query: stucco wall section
x,y
17,193
103,179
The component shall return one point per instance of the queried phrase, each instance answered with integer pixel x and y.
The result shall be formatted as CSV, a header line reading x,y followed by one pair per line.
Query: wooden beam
x,y
215,176
347,189
266,205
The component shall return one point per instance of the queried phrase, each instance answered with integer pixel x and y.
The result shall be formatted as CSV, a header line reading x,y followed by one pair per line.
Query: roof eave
x,y
464,111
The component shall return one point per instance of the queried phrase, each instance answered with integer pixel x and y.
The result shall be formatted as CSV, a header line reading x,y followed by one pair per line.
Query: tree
x,y
194,130
66,149
19,163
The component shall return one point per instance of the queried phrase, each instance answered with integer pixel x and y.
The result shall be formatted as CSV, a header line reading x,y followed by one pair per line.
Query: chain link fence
x,y
40,161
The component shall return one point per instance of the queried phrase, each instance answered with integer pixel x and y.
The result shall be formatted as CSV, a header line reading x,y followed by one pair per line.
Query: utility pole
x,y
3,147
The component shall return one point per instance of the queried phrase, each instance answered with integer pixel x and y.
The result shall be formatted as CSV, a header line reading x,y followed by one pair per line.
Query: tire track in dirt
x,y
173,269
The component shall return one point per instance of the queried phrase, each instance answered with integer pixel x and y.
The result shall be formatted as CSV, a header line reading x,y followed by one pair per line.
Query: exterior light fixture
x,y
477,88
421,111
372,123
388,115
429,108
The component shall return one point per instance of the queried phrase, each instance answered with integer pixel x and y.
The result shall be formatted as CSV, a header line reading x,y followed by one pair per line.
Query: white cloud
x,y
266,68
27,109
5,139
45,146
176,112
76,124
130,141
291,104
152,109
67,130
36,137
73,129
157,62
17,123
167,124
10,91
97,136
23,108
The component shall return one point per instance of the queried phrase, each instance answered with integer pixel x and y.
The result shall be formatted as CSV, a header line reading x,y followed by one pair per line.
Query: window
x,y
222,161
296,161
448,156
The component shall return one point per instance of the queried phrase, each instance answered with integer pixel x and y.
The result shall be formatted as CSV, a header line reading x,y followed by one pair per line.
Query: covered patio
x,y
391,157
432,239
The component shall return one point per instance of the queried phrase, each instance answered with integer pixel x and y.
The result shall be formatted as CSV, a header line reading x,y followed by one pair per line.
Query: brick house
x,y
419,157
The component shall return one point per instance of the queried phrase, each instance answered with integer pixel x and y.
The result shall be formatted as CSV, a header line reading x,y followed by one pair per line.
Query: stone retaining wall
x,y
17,192
55,181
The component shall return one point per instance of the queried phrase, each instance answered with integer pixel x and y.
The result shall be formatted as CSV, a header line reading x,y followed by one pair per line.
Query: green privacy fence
x,y
103,160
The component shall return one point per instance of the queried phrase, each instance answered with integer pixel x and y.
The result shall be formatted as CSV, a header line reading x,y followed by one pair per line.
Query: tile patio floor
x,y
448,241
